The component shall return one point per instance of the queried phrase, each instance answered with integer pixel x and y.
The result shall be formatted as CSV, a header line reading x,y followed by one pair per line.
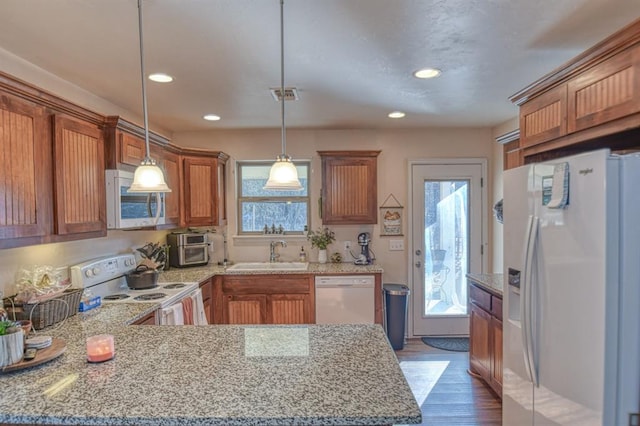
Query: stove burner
x,y
176,285
116,297
150,296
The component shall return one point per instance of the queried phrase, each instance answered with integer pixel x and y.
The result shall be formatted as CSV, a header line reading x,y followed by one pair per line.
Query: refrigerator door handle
x,y
530,319
524,305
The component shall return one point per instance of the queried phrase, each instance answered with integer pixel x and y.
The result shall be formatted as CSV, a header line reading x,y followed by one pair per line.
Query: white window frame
x,y
240,198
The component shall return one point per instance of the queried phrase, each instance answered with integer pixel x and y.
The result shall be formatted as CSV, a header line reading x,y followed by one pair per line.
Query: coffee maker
x,y
364,239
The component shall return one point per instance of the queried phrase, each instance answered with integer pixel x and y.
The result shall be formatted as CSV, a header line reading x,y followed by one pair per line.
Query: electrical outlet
x,y
396,245
347,245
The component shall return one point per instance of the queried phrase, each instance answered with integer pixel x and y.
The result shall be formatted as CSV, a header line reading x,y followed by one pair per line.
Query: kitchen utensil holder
x,y
47,313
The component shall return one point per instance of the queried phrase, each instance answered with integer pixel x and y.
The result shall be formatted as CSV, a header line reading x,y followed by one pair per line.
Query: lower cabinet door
x,y
245,309
496,359
480,342
289,308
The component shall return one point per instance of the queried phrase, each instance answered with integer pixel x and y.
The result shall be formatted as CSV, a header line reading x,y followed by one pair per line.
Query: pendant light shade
x,y
148,176
283,175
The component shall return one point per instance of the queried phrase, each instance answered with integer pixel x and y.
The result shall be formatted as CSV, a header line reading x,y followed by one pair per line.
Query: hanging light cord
x,y
147,159
284,138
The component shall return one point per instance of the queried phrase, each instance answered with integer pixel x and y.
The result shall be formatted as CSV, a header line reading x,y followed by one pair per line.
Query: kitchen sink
x,y
269,266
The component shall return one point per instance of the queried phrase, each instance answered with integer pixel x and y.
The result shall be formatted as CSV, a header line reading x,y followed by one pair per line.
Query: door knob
x,y
418,264
418,252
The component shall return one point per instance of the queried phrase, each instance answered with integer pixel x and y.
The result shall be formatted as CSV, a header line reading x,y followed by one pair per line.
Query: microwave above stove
x,y
188,249
131,210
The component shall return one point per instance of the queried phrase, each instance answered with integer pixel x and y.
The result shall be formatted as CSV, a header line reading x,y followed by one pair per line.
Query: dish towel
x,y
199,316
187,311
172,315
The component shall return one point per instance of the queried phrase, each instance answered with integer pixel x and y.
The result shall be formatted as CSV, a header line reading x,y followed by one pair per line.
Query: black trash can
x,y
395,302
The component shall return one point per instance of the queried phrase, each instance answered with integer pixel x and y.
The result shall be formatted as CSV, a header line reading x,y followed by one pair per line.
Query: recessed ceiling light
x,y
427,73
396,114
211,117
160,78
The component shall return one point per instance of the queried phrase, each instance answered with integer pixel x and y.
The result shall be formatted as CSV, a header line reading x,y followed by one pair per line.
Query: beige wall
x,y
397,146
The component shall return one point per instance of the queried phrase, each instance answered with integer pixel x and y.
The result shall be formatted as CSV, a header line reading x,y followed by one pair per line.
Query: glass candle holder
x,y
100,348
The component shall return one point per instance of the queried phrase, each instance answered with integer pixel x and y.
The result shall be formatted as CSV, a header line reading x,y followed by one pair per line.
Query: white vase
x,y
11,348
322,256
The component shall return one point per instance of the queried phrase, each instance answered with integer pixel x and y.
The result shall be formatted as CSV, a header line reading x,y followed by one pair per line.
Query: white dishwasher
x,y
345,299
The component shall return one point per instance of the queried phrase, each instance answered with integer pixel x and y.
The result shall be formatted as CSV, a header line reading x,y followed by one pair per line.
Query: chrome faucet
x,y
273,256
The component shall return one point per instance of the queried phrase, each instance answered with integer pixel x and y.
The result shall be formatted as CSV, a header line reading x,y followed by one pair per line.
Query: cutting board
x,y
57,348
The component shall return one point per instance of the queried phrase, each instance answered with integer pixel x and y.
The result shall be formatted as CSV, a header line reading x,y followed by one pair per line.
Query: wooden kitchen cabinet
x,y
204,189
590,102
485,336
349,187
606,92
171,164
544,118
79,177
52,168
25,168
147,320
206,287
264,299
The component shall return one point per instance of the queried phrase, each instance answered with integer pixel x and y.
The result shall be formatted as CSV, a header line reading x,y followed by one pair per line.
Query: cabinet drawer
x,y
266,284
496,307
480,297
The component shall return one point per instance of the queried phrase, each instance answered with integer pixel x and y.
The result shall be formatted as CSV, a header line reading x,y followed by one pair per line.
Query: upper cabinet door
x,y
25,167
544,118
349,187
608,91
172,170
79,177
132,149
200,185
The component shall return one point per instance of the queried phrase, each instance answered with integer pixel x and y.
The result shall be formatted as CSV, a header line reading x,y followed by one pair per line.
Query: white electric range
x,y
105,277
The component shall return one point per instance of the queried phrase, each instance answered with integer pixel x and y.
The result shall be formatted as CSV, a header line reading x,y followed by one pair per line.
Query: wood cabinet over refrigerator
x,y
349,187
591,102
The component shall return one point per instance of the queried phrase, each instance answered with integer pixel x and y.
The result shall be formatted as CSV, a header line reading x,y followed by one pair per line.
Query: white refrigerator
x,y
572,291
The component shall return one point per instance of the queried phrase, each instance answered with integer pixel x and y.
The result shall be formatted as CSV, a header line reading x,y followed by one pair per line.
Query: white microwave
x,y
131,210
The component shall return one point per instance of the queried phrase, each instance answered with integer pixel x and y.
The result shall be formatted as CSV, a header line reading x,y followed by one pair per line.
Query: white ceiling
x,y
351,60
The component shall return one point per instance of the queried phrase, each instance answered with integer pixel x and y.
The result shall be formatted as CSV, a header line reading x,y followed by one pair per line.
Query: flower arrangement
x,y
321,238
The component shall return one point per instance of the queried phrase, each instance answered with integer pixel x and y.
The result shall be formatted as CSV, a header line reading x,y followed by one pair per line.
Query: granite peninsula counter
x,y
212,375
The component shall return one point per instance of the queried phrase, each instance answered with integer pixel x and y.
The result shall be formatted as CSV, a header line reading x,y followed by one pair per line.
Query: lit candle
x,y
100,348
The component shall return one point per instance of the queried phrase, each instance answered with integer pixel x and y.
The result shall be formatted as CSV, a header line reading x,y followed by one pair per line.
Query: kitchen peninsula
x,y
212,375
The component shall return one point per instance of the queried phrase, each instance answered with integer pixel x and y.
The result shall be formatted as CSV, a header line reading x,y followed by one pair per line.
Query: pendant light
x,y
148,176
283,175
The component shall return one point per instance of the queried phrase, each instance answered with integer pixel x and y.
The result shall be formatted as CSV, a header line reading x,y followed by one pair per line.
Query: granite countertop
x,y
201,273
490,282
213,375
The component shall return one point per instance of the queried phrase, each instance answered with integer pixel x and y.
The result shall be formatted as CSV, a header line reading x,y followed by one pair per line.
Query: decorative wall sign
x,y
391,217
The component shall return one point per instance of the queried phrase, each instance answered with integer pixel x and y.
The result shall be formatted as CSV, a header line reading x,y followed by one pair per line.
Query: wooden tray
x,y
57,348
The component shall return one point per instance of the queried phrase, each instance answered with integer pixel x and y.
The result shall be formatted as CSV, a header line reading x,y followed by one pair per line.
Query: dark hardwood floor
x,y
447,394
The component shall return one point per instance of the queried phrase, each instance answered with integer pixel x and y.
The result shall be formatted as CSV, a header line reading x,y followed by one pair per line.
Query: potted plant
x,y
321,239
11,343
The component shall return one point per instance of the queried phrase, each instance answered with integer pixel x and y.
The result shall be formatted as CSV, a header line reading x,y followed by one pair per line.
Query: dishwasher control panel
x,y
345,280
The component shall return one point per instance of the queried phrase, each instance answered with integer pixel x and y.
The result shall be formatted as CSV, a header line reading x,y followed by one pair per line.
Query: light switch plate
x,y
396,245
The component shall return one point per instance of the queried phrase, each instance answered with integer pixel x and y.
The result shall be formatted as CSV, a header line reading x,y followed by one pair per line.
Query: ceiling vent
x,y
290,93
